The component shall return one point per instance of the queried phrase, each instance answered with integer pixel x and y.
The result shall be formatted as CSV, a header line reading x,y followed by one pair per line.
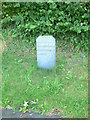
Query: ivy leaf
x,y
32,27
20,61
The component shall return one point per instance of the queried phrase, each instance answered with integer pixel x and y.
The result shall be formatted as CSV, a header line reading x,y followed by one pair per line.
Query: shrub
x,y
67,21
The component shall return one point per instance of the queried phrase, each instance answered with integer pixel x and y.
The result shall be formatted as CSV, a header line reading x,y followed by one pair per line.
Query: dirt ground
x,y
9,113
2,45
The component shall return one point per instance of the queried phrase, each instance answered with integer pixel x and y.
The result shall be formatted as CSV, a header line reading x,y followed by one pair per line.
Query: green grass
x,y
63,89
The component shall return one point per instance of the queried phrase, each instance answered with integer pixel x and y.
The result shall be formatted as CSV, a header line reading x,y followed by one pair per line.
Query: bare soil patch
x,y
3,46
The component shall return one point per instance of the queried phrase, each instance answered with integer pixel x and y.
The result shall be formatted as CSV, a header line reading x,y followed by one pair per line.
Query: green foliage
x,y
64,20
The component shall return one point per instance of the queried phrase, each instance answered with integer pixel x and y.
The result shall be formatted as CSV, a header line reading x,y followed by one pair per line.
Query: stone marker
x,y
46,52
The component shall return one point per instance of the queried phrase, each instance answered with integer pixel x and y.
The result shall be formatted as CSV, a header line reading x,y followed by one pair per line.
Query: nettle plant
x,y
64,20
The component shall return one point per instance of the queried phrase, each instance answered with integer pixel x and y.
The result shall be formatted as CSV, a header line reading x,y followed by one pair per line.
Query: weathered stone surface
x,y
46,52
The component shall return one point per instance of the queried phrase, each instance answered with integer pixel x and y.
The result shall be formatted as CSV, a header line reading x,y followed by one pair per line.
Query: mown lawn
x,y
63,90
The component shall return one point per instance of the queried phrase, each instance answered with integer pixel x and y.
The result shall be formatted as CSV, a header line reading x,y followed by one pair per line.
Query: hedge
x,y
66,21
